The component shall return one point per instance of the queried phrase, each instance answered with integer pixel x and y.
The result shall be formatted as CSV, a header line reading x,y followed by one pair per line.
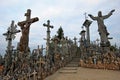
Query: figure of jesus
x,y
101,27
25,28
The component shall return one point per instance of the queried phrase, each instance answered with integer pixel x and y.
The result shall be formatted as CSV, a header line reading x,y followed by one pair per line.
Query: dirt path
x,y
79,73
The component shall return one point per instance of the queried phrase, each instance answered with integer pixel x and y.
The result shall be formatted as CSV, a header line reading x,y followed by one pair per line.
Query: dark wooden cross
x,y
48,33
25,27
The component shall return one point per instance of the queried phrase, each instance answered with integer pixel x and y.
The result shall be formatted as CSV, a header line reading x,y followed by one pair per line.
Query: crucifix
x,y
48,34
25,28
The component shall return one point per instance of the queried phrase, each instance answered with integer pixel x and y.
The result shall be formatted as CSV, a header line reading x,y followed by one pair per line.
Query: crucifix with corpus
x,y
25,28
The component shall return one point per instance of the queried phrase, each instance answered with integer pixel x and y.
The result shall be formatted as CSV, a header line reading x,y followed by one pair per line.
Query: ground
x,y
80,73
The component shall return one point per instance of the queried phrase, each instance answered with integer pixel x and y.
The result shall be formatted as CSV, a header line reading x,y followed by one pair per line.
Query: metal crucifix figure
x,y
25,27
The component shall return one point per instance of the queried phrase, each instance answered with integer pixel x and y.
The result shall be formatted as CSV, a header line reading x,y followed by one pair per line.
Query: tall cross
x,y
48,34
25,27
10,35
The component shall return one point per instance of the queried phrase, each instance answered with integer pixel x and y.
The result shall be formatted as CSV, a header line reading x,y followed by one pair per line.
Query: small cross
x,y
75,40
34,75
48,25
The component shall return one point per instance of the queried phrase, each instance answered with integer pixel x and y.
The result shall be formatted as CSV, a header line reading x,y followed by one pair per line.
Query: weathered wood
x,y
25,27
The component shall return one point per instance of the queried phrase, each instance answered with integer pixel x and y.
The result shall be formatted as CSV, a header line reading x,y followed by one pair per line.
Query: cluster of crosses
x,y
20,65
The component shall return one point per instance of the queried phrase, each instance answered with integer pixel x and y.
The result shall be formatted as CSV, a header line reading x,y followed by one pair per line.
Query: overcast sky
x,y
66,13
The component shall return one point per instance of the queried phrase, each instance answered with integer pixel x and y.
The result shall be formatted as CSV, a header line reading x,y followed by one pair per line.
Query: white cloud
x,y
8,2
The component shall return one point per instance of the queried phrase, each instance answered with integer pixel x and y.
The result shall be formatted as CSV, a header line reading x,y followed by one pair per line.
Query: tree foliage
x,y
113,48
60,33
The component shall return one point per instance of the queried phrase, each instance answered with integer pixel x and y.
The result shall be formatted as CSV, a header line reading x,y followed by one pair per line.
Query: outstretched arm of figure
x,y
92,17
109,14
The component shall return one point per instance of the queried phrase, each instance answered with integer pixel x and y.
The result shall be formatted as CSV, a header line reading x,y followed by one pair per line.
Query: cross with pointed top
x,y
48,33
25,27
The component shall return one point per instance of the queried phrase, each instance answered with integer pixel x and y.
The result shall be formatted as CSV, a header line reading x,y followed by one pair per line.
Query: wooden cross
x,y
10,34
48,33
25,27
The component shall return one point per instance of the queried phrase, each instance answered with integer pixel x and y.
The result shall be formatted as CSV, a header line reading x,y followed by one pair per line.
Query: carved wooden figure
x,y
25,28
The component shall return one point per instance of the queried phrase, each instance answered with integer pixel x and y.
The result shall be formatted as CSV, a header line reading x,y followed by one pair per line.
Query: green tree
x,y
113,48
60,33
